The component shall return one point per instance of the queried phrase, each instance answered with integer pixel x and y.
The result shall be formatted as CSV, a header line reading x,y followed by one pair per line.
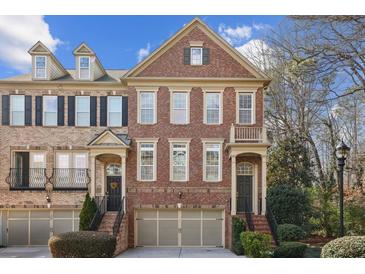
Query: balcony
x,y
70,178
242,134
27,178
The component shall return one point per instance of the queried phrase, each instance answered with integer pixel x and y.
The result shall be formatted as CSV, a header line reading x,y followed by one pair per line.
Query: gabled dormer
x,y
45,65
88,66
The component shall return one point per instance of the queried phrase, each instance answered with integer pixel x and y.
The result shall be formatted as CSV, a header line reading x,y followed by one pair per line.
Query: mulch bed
x,y
317,240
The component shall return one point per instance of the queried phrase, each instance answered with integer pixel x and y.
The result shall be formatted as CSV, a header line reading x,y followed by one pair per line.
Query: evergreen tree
x,y
87,213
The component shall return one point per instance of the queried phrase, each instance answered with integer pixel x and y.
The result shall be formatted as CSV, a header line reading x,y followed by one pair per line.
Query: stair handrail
x,y
272,223
118,218
249,220
100,211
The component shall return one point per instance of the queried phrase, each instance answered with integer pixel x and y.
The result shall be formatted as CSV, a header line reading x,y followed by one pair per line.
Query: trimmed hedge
x,y
238,226
345,247
290,250
82,244
256,244
290,232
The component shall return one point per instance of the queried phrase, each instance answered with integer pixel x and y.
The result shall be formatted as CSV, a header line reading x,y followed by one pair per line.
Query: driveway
x,y
177,252
25,252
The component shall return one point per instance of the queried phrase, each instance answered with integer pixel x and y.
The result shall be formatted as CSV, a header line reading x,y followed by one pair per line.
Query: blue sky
x,y
119,41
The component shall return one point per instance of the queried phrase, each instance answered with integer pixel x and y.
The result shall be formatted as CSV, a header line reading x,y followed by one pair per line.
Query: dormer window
x,y
40,67
196,56
84,68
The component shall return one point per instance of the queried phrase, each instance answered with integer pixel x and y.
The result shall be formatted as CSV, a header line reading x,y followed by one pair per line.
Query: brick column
x,y
263,192
234,186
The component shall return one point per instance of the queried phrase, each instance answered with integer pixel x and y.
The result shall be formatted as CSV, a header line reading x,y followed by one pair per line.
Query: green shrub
x,y
256,244
87,213
238,226
290,205
345,247
290,232
290,250
82,244
354,218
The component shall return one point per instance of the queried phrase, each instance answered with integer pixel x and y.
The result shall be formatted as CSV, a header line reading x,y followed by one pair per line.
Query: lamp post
x,y
342,151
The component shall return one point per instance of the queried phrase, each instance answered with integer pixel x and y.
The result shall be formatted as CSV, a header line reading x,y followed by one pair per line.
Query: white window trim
x,y
121,111
31,152
11,109
201,56
253,96
89,68
76,111
71,155
219,141
43,111
35,67
184,141
146,140
221,92
183,90
139,91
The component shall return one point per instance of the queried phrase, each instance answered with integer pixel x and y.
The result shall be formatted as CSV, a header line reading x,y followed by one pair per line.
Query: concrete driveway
x,y
177,252
25,252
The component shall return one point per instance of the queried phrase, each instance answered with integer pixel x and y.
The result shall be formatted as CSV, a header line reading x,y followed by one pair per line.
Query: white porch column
x,y
234,186
124,179
255,190
263,192
92,175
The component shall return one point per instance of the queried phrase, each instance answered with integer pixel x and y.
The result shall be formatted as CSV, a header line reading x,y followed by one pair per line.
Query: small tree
x,y
238,226
87,213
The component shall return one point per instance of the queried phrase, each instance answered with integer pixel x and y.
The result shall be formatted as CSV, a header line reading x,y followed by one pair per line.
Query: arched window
x,y
244,168
113,170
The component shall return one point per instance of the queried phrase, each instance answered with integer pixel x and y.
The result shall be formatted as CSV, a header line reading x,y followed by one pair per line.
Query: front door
x,y
114,192
244,193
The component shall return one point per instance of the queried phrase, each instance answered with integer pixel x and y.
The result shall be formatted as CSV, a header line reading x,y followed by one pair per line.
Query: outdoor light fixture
x,y
48,201
342,151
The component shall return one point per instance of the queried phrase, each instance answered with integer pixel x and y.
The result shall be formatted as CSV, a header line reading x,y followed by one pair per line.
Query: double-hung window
x,y
84,67
245,108
71,169
180,105
147,107
147,162
213,107
50,110
212,162
40,67
17,110
82,111
179,162
196,56
115,111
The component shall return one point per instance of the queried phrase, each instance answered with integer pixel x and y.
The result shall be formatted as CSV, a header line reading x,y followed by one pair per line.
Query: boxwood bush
x,y
290,250
290,232
82,244
345,247
256,244
238,226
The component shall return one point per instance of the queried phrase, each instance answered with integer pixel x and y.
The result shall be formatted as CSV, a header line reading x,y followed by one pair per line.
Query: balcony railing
x,y
241,134
27,178
70,178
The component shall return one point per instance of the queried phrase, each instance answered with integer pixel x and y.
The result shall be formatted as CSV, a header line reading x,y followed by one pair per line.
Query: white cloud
x,y
235,35
258,52
143,52
18,34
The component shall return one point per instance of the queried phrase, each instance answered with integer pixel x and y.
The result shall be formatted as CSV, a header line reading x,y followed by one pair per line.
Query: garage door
x,y
179,227
34,227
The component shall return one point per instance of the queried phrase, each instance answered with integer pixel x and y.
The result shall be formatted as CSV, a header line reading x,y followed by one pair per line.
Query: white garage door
x,y
183,227
34,227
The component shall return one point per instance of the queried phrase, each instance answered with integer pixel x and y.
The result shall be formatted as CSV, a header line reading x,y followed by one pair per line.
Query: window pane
x,y
84,62
179,161
245,101
50,118
147,116
212,162
115,119
115,104
40,66
213,100
50,110
63,161
212,116
147,100
17,118
146,157
245,108
147,105
245,116
146,161
80,160
179,116
146,172
83,119
196,56
83,110
179,100
17,102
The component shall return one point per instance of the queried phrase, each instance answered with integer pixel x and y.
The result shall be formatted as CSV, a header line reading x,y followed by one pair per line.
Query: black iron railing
x,y
272,223
27,178
70,178
249,220
119,218
99,214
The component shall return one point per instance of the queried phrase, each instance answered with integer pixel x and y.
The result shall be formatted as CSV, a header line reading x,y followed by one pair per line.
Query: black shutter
x,y
93,111
38,110
71,110
124,111
28,110
5,106
103,110
206,57
61,110
186,56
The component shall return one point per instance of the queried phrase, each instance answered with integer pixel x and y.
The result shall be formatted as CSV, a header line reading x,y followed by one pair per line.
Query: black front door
x,y
114,192
244,193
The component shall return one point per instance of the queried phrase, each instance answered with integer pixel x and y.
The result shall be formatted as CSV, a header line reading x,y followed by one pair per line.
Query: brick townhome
x,y
177,144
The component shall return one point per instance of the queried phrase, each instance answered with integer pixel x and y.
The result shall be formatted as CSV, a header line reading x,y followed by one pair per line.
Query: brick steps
x,y
107,222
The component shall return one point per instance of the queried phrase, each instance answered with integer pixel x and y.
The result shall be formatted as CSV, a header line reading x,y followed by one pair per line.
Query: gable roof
x,y
109,138
196,22
84,49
